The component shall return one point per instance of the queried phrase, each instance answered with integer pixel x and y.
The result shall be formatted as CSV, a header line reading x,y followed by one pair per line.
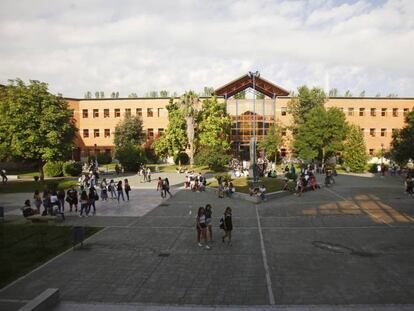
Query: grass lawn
x,y
14,186
242,184
24,247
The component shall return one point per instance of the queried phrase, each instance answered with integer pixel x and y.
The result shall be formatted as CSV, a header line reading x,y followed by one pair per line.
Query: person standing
x,y
37,200
227,225
202,226
84,203
4,178
112,189
149,174
61,197
104,190
120,191
127,188
72,199
209,213
92,197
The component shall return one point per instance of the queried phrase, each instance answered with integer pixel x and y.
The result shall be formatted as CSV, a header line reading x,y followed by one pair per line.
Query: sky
x,y
143,45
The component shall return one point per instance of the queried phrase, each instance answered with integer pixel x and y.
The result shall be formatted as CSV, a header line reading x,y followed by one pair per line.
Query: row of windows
x,y
107,132
161,112
363,111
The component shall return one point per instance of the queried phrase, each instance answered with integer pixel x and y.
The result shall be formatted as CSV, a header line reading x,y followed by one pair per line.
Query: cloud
x,y
137,46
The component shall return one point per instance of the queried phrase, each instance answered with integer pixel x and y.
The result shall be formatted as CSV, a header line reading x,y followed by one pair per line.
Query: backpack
x,y
222,222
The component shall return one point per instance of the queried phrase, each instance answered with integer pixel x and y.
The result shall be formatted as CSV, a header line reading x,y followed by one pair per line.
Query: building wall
x,y
377,127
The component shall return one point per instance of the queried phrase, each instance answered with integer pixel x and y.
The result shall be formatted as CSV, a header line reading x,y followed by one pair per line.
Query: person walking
x,y
227,225
202,226
37,200
84,203
4,178
120,191
209,221
127,188
166,187
72,199
149,174
160,186
61,197
112,189
104,189
46,202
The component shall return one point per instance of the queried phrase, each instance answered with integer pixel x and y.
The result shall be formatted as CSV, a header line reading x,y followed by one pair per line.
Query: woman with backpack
x,y
104,190
227,224
202,227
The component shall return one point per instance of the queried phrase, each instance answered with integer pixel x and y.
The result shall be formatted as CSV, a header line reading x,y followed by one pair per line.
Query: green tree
x,y
208,91
333,92
348,93
306,99
152,94
402,144
113,95
129,131
96,94
322,133
272,141
174,139
130,155
213,125
101,94
133,95
88,95
362,94
35,125
355,154
188,104
164,93
260,95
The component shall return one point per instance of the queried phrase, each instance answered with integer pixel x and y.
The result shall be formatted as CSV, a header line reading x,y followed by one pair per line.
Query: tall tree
x,y
348,93
152,94
133,95
272,141
322,133
117,95
164,93
213,125
35,125
208,91
355,151
129,132
102,94
362,94
97,94
88,95
305,101
113,95
402,145
188,104
174,139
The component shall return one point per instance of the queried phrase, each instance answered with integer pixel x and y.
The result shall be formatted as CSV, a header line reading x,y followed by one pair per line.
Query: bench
x,y
39,218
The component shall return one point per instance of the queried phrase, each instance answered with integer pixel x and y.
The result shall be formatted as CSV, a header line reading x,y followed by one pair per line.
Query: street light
x,y
254,76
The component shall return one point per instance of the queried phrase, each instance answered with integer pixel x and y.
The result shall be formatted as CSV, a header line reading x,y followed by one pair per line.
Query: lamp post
x,y
254,76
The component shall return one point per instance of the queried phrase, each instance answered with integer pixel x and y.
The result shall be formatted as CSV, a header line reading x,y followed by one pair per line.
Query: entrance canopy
x,y
244,82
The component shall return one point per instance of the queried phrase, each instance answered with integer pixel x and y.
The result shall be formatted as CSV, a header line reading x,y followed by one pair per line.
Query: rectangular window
x,y
283,132
373,112
383,112
85,133
361,112
96,133
383,132
84,113
150,133
128,112
138,112
395,112
372,132
96,113
350,112
406,111
371,152
107,133
117,113
284,111
150,113
106,113
160,132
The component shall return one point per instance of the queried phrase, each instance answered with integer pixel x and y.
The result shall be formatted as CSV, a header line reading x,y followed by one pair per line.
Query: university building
x,y
96,119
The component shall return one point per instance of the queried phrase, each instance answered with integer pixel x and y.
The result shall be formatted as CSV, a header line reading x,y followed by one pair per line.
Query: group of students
x,y
163,186
225,189
195,182
115,189
145,172
204,225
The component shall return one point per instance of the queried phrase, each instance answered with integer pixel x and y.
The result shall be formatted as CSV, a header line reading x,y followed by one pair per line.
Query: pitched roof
x,y
263,86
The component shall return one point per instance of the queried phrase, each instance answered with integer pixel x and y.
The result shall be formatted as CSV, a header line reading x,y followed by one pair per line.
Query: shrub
x,y
53,169
72,168
130,156
373,168
104,158
224,177
181,157
215,158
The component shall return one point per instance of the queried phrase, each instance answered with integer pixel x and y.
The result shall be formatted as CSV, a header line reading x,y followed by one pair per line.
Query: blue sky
x,y
138,46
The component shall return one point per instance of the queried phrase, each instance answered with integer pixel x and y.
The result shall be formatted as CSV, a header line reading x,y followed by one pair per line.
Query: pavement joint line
x,y
368,212
266,266
70,249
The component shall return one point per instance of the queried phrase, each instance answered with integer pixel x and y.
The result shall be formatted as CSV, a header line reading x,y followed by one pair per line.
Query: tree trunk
x,y
191,154
41,173
323,158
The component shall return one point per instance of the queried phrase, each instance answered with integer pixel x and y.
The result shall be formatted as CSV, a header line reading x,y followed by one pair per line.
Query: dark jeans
x,y
84,207
121,193
92,203
127,194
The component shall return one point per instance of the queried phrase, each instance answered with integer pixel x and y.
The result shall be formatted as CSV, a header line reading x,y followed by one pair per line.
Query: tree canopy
x,y
272,141
321,134
402,145
355,151
35,125
129,131
306,99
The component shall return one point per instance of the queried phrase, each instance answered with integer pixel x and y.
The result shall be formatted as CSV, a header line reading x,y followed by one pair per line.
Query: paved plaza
x,y
350,246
